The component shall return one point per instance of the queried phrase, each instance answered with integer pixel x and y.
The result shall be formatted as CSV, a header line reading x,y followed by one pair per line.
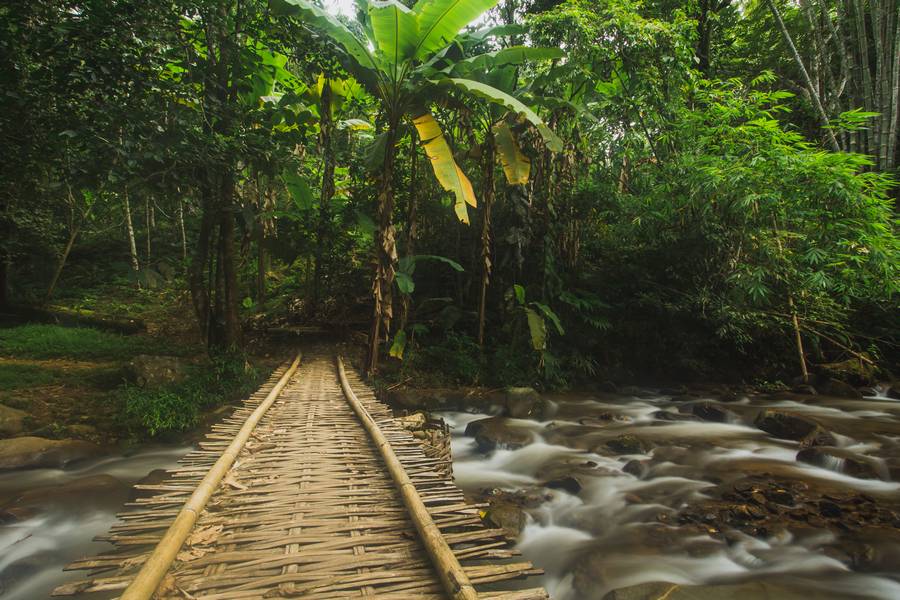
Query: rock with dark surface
x,y
708,411
628,444
12,421
838,460
507,516
818,437
805,389
22,570
785,425
525,403
751,590
853,371
34,452
463,399
868,392
497,432
638,468
893,391
839,389
568,483
151,371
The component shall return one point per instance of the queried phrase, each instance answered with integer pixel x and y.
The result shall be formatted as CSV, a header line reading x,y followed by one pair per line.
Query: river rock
x,y
525,403
507,516
785,425
497,432
839,389
805,390
750,590
20,571
838,460
463,399
33,452
567,483
708,411
853,371
868,392
893,391
152,371
638,468
628,444
12,421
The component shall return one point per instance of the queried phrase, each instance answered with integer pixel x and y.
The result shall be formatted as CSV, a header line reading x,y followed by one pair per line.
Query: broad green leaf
x,y
520,293
299,189
399,345
516,165
355,125
327,23
514,55
396,31
440,21
492,94
549,314
537,328
448,173
405,283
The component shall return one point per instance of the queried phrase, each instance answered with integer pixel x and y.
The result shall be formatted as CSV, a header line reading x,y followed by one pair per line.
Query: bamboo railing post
x,y
157,565
454,580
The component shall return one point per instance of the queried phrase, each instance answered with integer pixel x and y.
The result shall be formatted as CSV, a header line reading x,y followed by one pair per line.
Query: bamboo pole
x,y
152,572
454,580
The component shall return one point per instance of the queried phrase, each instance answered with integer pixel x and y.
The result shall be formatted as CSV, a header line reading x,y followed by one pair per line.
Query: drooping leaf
x,y
549,314
514,55
440,21
373,156
516,165
324,21
492,94
448,173
537,328
399,345
520,293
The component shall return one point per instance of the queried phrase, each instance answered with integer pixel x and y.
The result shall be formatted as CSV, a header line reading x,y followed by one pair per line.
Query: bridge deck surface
x,y
308,510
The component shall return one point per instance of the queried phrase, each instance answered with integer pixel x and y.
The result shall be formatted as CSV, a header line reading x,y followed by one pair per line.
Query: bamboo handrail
x,y
454,580
157,565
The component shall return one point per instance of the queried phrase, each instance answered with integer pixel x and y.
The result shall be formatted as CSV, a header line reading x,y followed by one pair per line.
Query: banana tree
x,y
395,53
500,70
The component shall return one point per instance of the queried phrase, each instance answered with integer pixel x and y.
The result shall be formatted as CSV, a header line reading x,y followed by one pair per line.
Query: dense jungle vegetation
x,y
549,192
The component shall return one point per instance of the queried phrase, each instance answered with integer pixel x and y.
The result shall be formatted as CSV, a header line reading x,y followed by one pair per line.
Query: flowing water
x,y
621,527
62,512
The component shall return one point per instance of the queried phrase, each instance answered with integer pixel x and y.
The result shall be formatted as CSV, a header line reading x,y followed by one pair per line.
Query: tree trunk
x,y
184,252
412,214
132,244
327,192
894,105
704,30
385,253
147,224
229,302
487,198
814,94
200,294
62,262
798,340
4,281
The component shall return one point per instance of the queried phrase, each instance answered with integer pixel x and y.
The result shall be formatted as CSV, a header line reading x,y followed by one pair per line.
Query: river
x,y
664,506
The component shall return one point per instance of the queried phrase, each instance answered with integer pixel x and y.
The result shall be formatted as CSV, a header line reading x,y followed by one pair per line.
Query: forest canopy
x,y
499,191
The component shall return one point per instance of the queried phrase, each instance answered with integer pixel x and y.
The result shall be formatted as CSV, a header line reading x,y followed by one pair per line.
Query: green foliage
x,y
177,407
54,341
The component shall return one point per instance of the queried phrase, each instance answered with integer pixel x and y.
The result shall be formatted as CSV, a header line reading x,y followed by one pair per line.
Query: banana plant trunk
x,y
487,199
411,225
385,253
328,164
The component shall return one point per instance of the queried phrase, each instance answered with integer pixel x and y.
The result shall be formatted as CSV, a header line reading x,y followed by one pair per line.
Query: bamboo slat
x,y
308,508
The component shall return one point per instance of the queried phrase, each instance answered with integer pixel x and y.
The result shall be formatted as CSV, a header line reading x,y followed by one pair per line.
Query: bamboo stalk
x,y
454,580
157,565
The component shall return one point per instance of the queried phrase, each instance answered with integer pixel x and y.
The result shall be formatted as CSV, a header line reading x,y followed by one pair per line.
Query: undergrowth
x,y
85,343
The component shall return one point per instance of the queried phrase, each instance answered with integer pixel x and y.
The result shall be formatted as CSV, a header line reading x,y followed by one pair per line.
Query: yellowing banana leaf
x,y
448,173
516,165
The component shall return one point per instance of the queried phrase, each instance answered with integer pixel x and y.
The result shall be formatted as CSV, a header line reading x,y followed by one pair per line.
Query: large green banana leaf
x,y
395,30
514,55
492,94
327,23
448,173
516,165
440,21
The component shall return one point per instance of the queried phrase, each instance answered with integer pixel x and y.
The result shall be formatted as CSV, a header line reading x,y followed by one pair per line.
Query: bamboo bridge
x,y
311,489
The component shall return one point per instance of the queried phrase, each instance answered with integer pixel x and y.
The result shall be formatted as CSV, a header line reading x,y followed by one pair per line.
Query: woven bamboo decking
x,y
308,509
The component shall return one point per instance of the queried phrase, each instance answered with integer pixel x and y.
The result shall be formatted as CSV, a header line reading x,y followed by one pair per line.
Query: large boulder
x,y
151,371
841,461
33,452
525,403
785,425
853,371
708,411
497,432
628,444
839,389
12,421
